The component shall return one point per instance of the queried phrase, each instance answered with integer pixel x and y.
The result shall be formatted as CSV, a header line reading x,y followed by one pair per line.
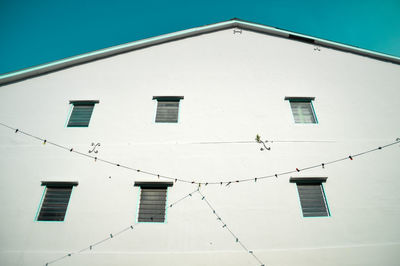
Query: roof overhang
x,y
234,23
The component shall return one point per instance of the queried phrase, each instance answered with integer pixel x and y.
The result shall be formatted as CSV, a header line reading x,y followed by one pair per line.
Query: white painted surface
x,y
234,88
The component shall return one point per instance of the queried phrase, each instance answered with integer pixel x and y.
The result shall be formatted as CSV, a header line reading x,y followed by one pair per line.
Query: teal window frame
x,y
74,112
312,181
144,184
168,99
308,100
51,184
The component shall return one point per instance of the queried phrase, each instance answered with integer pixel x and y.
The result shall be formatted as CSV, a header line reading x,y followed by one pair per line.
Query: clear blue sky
x,y
34,32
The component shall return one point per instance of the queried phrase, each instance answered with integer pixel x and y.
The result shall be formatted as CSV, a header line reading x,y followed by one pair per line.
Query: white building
x,y
314,101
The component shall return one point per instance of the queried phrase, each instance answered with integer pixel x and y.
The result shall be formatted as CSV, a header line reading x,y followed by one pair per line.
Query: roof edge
x,y
34,71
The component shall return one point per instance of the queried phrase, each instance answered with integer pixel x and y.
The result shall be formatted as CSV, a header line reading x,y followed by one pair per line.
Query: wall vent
x,y
301,39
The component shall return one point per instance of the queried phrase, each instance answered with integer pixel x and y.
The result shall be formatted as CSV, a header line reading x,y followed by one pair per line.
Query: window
x,y
55,202
167,108
302,109
312,196
81,113
153,198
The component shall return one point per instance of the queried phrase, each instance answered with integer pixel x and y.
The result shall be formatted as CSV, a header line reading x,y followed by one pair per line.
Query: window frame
x,y
74,103
144,184
309,100
312,180
54,184
167,99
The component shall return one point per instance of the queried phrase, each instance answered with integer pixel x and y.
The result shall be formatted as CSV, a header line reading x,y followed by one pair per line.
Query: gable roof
x,y
233,23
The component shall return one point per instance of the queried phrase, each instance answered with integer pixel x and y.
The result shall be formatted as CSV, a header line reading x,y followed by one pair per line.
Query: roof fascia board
x,y
317,41
114,50
103,53
357,50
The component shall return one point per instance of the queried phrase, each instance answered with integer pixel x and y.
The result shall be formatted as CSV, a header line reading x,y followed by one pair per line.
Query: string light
x,y
225,226
188,195
186,181
192,181
130,227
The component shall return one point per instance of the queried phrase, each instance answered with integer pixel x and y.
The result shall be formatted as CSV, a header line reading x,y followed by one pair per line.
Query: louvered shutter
x,y
80,116
302,112
55,203
312,199
152,204
167,111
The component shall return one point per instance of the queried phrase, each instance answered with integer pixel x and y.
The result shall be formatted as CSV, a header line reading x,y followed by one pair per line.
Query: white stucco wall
x,y
234,87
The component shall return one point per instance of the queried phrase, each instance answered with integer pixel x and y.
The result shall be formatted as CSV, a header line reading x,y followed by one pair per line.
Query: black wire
x,y
229,230
195,182
130,227
187,181
269,141
188,195
63,257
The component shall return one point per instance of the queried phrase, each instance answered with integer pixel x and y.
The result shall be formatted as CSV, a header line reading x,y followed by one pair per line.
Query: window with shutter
x,y
81,113
55,202
312,196
153,199
167,108
302,110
